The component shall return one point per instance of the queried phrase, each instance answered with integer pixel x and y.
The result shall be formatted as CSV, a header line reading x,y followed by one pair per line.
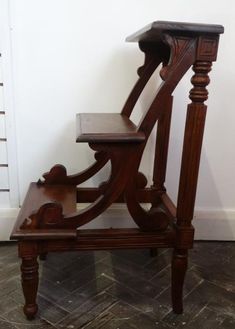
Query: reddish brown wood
x,y
39,196
105,239
153,57
29,273
49,221
161,151
90,194
29,269
169,205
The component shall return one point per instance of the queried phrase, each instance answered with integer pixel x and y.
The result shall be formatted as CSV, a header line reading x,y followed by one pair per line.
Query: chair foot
x,y
30,311
29,272
179,268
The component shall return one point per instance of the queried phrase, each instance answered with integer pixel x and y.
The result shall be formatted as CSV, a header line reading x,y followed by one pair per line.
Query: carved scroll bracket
x,y
152,60
58,173
50,215
155,53
179,46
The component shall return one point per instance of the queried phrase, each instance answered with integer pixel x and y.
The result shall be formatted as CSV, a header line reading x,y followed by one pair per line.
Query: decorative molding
x,y
207,48
200,80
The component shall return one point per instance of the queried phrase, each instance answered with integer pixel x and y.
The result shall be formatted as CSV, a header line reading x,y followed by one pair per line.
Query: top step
x,y
153,31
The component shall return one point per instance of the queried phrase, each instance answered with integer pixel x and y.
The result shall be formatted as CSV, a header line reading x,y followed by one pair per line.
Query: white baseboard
x,y
210,224
7,221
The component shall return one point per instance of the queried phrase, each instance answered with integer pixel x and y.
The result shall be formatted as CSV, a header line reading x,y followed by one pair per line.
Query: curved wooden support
x,y
154,219
50,215
182,57
141,180
58,173
153,57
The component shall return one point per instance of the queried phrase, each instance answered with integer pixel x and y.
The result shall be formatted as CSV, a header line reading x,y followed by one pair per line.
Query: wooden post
x,y
194,128
29,275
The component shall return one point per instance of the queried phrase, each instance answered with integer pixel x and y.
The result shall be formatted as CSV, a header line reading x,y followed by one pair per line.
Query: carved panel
x,y
179,46
207,48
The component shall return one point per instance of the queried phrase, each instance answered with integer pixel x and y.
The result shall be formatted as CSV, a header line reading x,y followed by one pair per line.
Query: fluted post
x,y
194,128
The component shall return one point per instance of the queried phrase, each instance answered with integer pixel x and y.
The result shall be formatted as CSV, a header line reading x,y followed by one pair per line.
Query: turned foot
x,y
29,271
179,267
30,311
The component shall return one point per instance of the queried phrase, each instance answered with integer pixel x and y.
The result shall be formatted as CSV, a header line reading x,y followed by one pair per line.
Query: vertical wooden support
x,y
29,275
161,149
161,153
194,128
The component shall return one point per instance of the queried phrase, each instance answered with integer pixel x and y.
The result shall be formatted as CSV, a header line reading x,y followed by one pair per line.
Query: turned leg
x,y
179,267
193,136
29,270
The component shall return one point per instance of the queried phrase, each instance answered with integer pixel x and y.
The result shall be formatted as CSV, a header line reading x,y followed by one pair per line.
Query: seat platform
x,y
37,196
107,127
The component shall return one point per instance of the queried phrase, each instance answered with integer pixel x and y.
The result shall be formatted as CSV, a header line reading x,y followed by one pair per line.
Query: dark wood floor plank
x,y
5,324
206,319
81,295
143,303
88,311
205,294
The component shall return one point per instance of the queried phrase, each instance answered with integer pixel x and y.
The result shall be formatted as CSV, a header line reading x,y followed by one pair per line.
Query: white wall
x,y
70,56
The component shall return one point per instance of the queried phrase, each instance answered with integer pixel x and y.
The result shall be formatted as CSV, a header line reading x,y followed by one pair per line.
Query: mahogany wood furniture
x,y
48,220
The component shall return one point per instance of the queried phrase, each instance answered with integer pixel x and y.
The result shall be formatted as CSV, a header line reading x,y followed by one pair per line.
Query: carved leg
x,y
179,267
29,270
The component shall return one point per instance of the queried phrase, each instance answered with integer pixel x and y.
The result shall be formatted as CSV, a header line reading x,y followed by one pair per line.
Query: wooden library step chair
x,y
48,220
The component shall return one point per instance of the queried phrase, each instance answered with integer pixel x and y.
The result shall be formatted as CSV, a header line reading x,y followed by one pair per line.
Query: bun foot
x,y
30,311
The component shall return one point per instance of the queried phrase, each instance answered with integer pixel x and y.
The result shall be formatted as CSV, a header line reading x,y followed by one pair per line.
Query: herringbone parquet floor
x,y
122,290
